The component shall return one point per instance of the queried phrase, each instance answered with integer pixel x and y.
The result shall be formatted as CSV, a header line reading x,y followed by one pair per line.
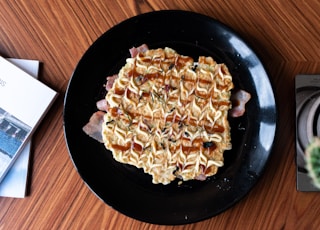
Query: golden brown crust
x,y
168,115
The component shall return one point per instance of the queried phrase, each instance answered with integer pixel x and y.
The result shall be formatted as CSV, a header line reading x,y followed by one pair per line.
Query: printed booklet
x,y
23,103
14,183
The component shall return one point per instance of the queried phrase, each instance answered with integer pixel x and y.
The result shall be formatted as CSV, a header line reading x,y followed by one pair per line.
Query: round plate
x,y
126,188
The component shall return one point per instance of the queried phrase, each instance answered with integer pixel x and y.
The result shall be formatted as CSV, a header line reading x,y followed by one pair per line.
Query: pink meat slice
x,y
239,100
135,50
110,81
102,105
94,127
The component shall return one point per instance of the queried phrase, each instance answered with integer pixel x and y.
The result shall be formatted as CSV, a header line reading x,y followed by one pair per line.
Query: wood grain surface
x,y
285,34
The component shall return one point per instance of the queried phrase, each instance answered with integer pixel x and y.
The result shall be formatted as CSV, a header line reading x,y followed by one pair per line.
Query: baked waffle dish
x,y
168,115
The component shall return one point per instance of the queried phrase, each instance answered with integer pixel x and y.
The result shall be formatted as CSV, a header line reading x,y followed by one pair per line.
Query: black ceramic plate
x,y
128,189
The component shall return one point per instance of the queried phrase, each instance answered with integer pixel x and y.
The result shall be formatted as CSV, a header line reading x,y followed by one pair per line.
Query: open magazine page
x,y
15,182
24,102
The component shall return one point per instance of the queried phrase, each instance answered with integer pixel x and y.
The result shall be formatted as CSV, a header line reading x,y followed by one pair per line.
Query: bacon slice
x,y
94,127
239,100
201,177
135,50
110,81
102,105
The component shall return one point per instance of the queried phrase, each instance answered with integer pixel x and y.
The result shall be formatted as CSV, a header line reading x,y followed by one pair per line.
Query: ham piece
x,y
239,100
135,50
110,81
102,105
94,127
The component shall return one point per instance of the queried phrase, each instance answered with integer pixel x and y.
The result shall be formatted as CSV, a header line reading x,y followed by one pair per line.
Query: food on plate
x,y
167,114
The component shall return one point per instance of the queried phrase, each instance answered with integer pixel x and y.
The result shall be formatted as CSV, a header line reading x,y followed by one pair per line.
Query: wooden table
x,y
284,34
